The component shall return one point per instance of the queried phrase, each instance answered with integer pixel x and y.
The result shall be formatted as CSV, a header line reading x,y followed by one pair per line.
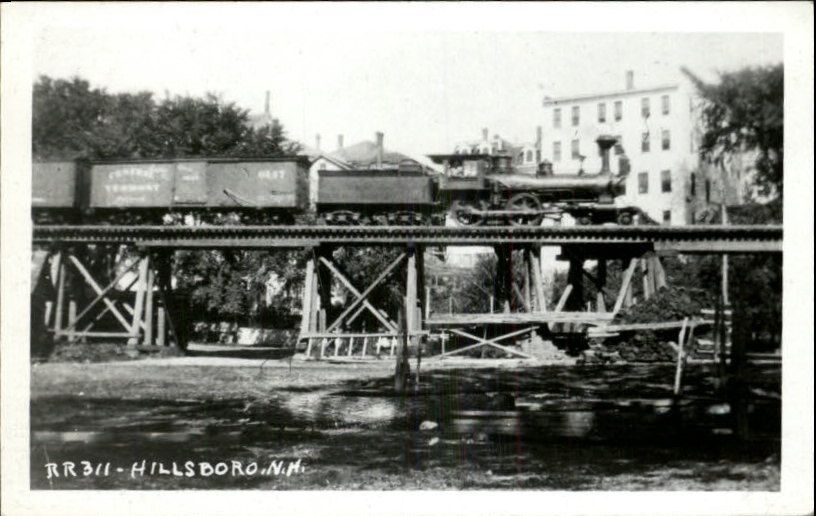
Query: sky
x,y
425,89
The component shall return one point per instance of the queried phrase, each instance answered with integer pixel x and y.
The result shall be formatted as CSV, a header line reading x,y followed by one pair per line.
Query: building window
x,y
618,110
602,112
322,166
644,142
556,152
576,115
708,190
665,139
529,157
576,149
664,104
557,118
667,216
665,181
643,182
693,180
645,111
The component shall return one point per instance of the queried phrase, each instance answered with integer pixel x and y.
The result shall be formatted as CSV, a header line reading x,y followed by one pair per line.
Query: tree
x,y
745,112
72,120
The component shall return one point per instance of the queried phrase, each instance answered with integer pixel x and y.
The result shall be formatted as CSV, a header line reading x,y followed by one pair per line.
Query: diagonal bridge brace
x,y
361,297
480,342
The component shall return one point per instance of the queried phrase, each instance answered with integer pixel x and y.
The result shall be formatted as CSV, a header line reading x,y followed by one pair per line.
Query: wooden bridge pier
x,y
109,312
322,336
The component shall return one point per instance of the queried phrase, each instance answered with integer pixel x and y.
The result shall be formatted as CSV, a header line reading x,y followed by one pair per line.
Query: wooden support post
x,y
601,284
160,327
72,313
563,300
61,271
138,309
317,309
678,372
652,274
645,278
660,273
538,282
308,290
625,289
49,307
323,285
421,287
527,297
503,287
575,277
148,317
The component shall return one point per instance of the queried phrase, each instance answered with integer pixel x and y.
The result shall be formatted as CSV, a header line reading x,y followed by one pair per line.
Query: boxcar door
x,y
191,183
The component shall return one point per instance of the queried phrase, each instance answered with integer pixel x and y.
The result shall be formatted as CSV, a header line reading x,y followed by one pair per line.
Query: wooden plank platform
x,y
594,318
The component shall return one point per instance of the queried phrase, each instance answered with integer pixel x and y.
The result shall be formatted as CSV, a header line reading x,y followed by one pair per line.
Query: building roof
x,y
364,154
336,161
620,93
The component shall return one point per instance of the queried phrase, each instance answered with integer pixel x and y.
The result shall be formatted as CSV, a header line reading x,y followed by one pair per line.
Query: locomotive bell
x,y
605,142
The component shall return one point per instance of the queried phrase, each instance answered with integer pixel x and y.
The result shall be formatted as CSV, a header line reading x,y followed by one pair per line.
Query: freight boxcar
x,y
55,191
402,197
255,190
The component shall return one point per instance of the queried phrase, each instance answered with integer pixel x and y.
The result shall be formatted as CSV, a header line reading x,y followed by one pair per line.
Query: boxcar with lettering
x,y
270,183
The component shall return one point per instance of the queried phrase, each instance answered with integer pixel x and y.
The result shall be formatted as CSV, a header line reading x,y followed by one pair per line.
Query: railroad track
x,y
693,239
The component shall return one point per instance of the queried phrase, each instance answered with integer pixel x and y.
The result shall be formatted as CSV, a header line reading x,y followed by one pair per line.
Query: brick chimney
x,y
317,141
380,137
630,80
339,141
539,137
266,103
484,134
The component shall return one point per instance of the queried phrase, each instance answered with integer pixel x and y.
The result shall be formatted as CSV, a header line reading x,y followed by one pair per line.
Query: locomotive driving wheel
x,y
463,210
524,202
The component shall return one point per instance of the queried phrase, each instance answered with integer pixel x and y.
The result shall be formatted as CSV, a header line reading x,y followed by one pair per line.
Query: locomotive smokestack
x,y
317,141
630,80
339,141
605,142
380,137
266,103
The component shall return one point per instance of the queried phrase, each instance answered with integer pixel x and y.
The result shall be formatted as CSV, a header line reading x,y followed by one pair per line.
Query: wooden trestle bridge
x,y
147,317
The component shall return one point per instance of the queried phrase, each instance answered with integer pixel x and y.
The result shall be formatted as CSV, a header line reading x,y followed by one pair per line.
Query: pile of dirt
x,y
668,304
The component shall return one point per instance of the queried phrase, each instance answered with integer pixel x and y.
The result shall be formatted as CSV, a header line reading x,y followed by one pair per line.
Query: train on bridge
x,y
473,190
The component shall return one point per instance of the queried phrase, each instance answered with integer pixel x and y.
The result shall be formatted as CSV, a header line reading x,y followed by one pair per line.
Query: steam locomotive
x,y
473,190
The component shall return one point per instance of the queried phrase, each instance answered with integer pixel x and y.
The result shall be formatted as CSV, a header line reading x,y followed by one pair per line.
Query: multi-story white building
x,y
658,130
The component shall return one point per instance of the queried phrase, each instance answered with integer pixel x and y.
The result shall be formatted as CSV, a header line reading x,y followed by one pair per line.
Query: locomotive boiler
x,y
479,188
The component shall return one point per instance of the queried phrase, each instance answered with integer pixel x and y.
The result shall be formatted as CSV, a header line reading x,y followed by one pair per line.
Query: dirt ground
x,y
201,423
